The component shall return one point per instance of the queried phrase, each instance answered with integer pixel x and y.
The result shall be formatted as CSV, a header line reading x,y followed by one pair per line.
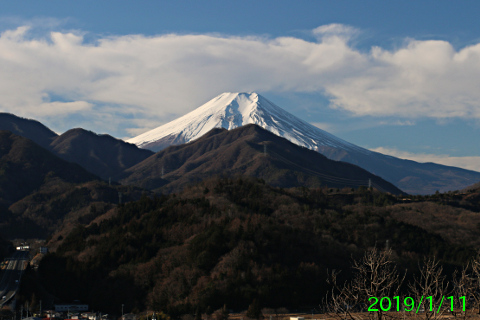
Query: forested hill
x,y
230,241
250,151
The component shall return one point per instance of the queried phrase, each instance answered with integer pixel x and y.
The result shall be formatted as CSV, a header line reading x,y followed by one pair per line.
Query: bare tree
x,y
467,290
428,291
375,277
476,282
341,300
464,293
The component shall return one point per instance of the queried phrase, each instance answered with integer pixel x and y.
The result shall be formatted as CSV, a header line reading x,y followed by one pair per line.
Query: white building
x,y
91,316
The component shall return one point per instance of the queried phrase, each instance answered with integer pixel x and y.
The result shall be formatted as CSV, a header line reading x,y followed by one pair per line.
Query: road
x,y
11,276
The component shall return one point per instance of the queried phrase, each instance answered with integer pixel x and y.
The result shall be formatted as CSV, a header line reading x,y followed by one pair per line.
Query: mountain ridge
x,y
231,110
101,154
26,167
248,150
29,128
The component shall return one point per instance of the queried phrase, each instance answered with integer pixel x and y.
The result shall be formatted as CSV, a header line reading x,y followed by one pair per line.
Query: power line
x,y
378,187
334,179
346,181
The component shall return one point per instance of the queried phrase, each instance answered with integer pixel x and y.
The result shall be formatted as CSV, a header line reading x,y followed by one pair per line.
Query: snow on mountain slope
x,y
233,110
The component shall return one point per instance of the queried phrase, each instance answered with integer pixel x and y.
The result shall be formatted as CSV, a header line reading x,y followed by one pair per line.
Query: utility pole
x,y
119,198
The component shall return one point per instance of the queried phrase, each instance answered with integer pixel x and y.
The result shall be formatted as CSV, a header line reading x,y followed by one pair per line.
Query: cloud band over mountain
x,y
141,76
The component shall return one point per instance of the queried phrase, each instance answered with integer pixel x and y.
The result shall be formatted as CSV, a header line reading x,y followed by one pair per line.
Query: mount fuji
x,y
233,110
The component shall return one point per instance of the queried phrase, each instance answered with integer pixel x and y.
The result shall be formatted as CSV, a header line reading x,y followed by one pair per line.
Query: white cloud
x,y
471,163
147,79
426,78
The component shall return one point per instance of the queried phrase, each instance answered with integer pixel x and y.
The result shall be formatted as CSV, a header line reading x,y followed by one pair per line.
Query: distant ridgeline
x,y
231,110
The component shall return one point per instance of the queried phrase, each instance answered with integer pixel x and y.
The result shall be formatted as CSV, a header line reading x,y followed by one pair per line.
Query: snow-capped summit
x,y
232,110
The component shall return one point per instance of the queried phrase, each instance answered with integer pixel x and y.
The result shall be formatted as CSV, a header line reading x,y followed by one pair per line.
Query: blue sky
x,y
399,77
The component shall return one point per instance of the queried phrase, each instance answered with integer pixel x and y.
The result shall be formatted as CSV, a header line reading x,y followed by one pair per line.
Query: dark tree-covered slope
x,y
102,155
40,192
26,167
27,128
230,241
251,151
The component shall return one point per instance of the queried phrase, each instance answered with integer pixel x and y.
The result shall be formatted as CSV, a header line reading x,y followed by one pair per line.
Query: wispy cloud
x,y
325,126
335,30
471,163
147,79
